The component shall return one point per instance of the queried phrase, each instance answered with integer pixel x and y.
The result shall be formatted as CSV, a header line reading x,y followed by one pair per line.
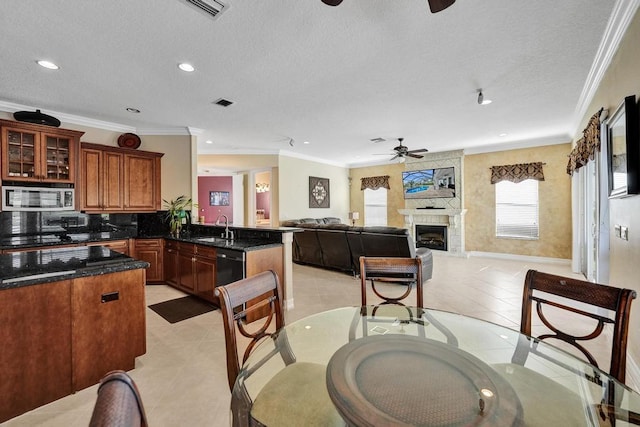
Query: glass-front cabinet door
x,y
59,158
23,155
37,153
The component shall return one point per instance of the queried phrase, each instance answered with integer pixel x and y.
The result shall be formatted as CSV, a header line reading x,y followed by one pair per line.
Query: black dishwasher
x,y
229,266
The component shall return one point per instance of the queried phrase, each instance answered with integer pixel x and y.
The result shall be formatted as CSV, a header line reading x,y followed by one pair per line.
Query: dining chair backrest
x,y
233,305
118,403
391,269
617,300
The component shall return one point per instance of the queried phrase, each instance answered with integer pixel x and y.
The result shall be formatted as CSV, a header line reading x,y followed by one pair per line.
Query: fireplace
x,y
431,236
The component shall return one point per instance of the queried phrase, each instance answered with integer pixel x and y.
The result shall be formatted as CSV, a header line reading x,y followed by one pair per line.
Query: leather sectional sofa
x,y
326,242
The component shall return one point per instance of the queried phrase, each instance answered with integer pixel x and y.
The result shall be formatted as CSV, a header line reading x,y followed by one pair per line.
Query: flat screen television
x,y
429,183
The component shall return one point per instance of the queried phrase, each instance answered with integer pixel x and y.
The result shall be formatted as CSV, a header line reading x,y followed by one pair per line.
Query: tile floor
x,y
182,377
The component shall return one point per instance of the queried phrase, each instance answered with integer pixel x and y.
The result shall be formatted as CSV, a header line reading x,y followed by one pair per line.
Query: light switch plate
x,y
624,233
617,230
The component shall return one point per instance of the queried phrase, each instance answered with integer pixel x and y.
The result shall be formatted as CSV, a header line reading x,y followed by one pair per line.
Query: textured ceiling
x,y
298,69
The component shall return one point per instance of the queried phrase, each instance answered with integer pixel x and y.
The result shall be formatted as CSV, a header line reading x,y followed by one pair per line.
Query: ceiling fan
x,y
434,5
402,151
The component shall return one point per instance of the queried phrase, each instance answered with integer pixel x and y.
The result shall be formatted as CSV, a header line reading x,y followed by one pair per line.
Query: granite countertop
x,y
44,240
52,265
244,245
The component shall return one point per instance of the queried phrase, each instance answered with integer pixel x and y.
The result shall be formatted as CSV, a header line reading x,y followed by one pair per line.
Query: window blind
x,y
375,207
517,209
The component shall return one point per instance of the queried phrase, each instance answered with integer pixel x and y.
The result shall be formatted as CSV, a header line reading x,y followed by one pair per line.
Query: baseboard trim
x,y
288,304
524,258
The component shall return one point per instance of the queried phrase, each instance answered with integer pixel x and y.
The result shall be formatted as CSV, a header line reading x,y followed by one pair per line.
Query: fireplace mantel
x,y
452,218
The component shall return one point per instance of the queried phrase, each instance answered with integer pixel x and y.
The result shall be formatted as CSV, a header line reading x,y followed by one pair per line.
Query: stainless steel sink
x,y
213,240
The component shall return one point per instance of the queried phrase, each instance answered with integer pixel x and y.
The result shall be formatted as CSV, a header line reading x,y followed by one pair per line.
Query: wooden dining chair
x,y
407,271
587,301
297,395
538,285
118,403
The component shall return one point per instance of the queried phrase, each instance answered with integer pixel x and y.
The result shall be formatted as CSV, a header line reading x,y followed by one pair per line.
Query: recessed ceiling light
x,y
184,66
486,102
502,135
208,141
306,142
133,110
47,64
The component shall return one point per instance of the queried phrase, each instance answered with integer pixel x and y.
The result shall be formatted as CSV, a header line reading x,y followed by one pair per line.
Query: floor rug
x,y
179,309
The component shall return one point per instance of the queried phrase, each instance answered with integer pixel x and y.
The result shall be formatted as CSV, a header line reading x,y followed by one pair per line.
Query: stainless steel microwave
x,y
37,199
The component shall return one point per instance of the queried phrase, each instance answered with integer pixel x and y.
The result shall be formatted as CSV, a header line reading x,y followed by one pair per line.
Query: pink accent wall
x,y
262,202
206,184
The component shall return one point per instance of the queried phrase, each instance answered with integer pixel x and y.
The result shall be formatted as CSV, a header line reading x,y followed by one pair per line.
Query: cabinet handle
x,y
111,296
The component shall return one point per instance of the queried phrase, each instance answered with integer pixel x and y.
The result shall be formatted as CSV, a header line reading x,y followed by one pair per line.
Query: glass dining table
x,y
392,365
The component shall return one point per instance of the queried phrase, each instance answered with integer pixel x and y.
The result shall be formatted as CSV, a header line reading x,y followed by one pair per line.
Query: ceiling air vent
x,y
211,7
377,140
223,102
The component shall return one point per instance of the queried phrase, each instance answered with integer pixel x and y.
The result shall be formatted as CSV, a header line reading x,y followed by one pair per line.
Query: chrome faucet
x,y
228,234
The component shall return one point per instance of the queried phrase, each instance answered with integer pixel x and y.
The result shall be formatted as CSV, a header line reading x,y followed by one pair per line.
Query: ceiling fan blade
x,y
332,2
418,150
438,5
395,157
415,156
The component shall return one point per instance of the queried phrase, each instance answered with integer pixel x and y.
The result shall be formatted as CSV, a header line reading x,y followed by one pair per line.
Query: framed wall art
x,y
623,154
318,192
218,198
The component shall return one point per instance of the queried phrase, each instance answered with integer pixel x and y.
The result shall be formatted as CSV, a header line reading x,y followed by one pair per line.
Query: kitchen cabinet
x,y
38,153
35,329
114,179
109,326
151,251
204,270
63,336
196,270
186,277
170,263
101,183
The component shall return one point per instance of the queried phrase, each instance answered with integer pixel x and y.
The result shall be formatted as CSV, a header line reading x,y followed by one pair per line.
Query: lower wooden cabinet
x,y
151,251
35,361
170,263
108,329
196,270
60,337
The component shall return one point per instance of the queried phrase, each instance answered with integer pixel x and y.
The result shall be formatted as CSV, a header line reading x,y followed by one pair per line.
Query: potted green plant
x,y
176,212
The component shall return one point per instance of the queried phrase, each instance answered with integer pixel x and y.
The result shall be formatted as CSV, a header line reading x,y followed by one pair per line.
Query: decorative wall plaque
x,y
318,192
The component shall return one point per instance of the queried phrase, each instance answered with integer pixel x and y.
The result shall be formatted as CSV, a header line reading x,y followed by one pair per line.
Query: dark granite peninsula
x,y
67,317
49,265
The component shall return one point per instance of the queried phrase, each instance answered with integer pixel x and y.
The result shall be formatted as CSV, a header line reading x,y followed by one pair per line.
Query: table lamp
x,y
353,216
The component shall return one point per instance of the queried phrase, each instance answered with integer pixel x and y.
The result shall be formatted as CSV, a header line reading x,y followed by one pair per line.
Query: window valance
x,y
517,173
587,146
375,182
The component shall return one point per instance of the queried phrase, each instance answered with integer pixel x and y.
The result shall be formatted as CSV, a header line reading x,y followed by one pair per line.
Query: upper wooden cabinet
x,y
116,179
38,153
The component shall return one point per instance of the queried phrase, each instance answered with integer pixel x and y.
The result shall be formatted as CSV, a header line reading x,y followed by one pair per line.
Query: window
x,y
375,207
517,209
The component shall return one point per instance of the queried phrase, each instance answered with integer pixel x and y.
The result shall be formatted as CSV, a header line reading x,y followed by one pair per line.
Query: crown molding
x,y
179,131
288,153
516,145
623,13
11,107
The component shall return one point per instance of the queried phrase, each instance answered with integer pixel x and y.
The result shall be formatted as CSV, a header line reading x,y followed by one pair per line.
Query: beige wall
x,y
293,183
622,79
554,195
395,199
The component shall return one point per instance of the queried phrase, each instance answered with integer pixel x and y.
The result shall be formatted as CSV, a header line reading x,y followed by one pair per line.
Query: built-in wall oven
x,y
15,198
